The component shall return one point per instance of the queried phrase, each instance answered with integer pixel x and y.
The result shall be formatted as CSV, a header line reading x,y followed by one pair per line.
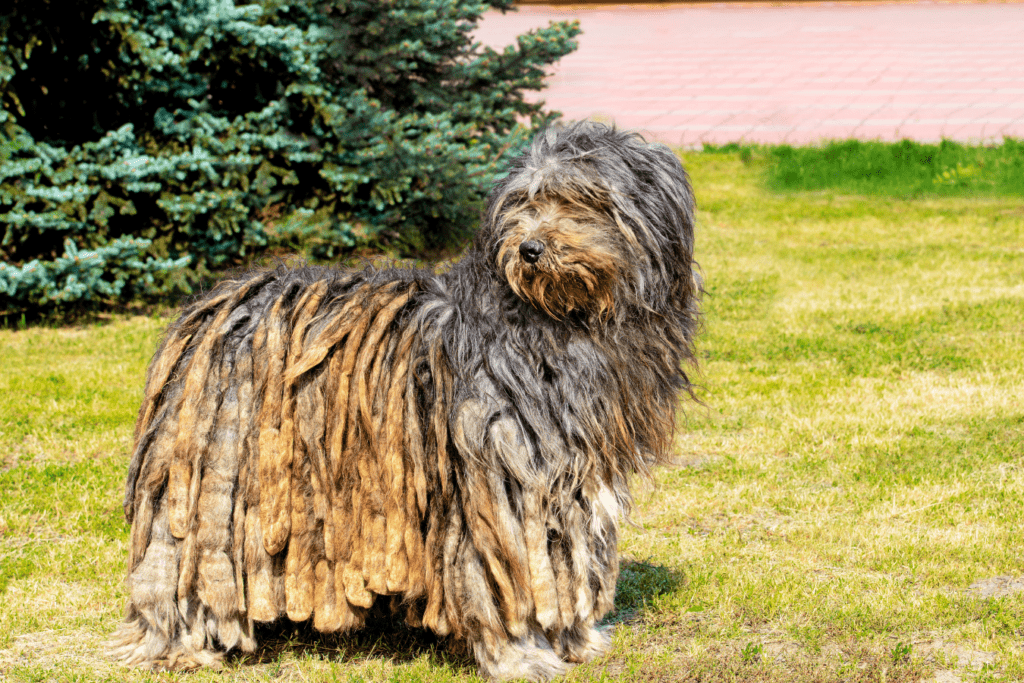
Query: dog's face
x,y
561,255
593,221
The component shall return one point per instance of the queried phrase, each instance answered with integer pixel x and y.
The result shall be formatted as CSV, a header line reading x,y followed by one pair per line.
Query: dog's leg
x,y
499,655
183,610
154,634
528,657
582,643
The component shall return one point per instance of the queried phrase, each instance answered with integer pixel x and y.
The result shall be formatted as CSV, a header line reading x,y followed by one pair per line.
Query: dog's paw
x,y
528,658
138,645
537,665
588,644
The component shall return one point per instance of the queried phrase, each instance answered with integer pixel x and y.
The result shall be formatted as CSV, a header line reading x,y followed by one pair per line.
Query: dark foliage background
x,y
147,143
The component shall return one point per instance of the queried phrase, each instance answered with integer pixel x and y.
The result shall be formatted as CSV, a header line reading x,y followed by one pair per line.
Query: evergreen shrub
x,y
138,137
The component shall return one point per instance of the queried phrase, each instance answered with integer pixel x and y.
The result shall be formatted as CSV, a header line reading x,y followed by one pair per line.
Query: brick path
x,y
687,74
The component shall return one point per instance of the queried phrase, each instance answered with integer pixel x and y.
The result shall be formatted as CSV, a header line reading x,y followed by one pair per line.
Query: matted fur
x,y
315,440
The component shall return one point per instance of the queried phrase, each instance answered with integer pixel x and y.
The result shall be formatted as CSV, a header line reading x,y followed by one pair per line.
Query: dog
x,y
319,443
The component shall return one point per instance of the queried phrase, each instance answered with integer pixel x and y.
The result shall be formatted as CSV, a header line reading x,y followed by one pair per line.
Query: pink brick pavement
x,y
798,73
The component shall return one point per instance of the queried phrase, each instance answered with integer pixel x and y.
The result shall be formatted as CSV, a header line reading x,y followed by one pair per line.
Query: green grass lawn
x,y
843,508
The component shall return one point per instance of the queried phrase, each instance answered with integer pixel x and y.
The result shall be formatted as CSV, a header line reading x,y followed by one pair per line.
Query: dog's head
x,y
592,221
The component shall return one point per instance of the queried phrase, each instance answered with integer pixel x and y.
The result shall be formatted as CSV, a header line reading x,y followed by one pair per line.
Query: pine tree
x,y
138,137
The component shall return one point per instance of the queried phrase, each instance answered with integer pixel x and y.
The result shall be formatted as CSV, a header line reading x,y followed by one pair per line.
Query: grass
x,y
841,509
905,169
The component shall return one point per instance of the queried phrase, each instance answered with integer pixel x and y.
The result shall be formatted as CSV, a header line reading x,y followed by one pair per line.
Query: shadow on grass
x,y
388,638
639,583
384,638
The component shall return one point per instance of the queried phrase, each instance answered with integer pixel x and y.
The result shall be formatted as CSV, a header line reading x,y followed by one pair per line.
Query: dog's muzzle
x,y
531,250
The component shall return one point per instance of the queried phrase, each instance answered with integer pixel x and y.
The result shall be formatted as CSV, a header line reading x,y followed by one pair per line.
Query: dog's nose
x,y
531,250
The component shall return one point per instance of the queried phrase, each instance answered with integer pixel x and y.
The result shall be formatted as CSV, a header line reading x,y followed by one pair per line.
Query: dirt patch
x,y
996,587
952,661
